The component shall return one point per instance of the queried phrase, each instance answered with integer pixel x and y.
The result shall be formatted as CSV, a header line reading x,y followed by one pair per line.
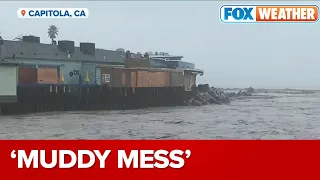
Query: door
x,y
98,76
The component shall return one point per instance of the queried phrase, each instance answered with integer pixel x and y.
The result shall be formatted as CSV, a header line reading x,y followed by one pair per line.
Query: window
x,y
76,72
106,78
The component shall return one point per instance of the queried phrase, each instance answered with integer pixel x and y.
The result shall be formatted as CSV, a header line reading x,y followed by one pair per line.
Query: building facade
x,y
82,65
74,64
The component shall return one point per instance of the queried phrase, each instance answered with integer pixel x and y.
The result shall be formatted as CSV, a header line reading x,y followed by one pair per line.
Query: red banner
x,y
157,159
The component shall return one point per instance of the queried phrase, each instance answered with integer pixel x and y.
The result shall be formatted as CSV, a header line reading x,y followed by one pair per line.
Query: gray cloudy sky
x,y
232,55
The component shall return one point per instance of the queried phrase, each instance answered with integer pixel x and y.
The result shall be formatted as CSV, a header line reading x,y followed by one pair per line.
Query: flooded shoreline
x,y
272,115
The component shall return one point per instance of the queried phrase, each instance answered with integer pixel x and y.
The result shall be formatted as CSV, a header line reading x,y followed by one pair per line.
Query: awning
x,y
197,71
6,63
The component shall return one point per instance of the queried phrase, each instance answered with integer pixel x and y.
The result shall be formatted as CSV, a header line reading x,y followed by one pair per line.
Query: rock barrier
x,y
204,94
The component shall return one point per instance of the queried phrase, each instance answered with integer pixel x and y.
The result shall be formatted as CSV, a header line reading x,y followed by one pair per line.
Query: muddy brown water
x,y
273,115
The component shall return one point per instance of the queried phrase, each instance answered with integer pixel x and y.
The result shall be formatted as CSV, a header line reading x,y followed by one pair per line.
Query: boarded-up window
x,y
106,78
123,78
133,79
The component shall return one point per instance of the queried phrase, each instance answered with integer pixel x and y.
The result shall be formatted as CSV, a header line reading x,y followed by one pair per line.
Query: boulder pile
x,y
245,92
204,94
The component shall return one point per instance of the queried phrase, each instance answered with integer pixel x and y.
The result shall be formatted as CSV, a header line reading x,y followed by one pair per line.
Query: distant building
x,y
73,61
167,57
78,64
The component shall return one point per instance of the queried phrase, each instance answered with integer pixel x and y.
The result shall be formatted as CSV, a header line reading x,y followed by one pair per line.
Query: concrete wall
x,y
8,80
189,80
8,83
98,75
89,68
94,73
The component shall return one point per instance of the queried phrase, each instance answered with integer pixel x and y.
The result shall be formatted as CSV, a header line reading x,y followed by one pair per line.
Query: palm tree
x,y
53,33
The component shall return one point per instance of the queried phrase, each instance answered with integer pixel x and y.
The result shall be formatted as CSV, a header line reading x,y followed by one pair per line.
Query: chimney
x,y
146,55
66,46
128,55
88,48
31,39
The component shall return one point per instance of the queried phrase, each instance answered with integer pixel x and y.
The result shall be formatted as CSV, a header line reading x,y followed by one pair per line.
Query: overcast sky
x,y
232,55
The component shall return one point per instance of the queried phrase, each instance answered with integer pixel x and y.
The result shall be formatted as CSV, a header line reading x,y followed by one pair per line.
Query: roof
x,y
6,63
143,68
197,71
30,50
109,56
163,56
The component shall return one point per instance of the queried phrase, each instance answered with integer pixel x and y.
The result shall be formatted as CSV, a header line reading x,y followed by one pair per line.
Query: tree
x,y
18,38
53,33
139,54
120,50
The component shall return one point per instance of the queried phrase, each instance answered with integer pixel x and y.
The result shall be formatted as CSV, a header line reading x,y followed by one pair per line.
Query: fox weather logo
x,y
269,13
237,13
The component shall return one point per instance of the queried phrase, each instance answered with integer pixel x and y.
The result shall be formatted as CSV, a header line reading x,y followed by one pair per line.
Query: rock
x,y
196,103
246,94
243,93
190,101
186,103
203,87
250,90
225,99
205,103
231,94
208,97
216,101
204,94
199,97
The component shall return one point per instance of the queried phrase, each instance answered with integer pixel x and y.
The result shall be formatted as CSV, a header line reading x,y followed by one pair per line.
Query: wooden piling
x,y
33,99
